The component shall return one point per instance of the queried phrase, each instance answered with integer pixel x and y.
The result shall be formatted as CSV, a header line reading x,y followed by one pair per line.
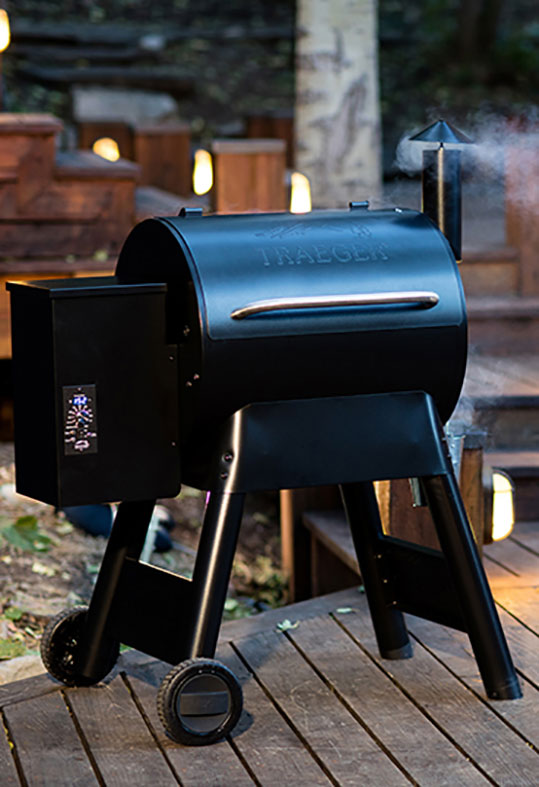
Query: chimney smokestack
x,y
441,181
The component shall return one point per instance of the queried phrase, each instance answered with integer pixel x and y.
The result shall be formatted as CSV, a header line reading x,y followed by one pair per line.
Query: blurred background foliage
x,y
453,58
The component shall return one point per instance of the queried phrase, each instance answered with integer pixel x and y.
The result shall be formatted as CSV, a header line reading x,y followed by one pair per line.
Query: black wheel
x,y
59,647
199,702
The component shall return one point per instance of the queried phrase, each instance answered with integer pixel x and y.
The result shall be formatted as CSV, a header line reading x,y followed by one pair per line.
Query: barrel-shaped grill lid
x,y
278,306
242,261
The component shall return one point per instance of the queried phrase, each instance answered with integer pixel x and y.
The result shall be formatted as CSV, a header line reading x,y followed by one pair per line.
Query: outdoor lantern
x,y
499,509
5,33
5,38
503,512
300,194
107,148
202,172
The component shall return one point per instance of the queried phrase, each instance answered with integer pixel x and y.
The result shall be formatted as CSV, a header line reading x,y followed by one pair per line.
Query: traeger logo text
x,y
322,254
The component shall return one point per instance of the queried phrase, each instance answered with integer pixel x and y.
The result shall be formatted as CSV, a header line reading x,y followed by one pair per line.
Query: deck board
x,y
392,717
346,750
274,752
321,706
493,746
47,744
8,769
122,746
522,603
527,535
505,569
511,564
453,650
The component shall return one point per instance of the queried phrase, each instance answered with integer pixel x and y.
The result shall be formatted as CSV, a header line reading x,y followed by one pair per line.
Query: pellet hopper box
x,y
95,391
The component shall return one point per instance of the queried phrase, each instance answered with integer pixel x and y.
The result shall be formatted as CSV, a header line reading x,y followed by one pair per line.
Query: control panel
x,y
80,419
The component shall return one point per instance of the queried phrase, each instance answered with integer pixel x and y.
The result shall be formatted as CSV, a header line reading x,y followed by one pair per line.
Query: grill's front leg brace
x,y
211,575
125,541
471,585
363,517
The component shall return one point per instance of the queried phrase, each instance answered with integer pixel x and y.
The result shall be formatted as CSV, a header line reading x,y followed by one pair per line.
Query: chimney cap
x,y
443,132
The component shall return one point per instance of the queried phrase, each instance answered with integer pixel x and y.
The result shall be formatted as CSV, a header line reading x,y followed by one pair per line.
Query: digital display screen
x,y
80,419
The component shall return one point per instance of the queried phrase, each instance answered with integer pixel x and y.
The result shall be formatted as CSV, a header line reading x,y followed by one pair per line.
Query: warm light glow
x,y
503,515
202,172
107,148
300,197
5,33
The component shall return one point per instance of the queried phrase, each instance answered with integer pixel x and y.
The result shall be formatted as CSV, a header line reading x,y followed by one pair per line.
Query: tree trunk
x,y
337,104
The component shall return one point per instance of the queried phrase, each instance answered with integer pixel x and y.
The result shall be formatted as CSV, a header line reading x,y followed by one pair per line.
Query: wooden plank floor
x,y
321,706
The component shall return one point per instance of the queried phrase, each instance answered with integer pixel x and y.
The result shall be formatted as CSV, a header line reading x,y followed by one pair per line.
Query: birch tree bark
x,y
338,145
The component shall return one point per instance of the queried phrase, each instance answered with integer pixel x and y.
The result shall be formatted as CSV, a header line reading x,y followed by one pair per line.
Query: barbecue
x,y
243,353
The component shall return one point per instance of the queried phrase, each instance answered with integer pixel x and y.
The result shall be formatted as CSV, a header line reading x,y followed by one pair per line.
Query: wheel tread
x,y
166,702
61,633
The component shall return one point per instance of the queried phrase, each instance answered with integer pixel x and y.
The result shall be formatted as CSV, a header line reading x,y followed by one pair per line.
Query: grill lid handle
x,y
425,299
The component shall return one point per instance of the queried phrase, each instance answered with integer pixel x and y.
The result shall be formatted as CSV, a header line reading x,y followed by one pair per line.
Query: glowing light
x,y
202,172
107,148
503,514
300,197
5,33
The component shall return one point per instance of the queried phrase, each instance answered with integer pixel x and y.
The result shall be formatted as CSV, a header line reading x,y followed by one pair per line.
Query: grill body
x,y
229,356
207,315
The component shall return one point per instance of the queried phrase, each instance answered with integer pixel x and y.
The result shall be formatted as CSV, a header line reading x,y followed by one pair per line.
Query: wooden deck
x,y
501,396
321,707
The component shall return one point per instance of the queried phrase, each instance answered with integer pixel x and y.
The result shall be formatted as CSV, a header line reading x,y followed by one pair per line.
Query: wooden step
x,y
85,165
39,184
27,137
86,205
56,238
490,272
501,396
511,422
334,563
151,201
523,467
503,326
513,564
76,249
163,79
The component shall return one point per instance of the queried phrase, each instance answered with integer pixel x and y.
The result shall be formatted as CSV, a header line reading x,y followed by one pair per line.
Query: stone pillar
x,y
338,145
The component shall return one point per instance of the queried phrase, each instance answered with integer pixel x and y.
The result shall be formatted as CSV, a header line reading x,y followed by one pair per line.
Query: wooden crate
x,y
91,130
249,175
274,125
163,152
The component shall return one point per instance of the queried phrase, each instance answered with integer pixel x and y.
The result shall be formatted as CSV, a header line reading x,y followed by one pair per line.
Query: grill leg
x,y
363,516
476,602
212,571
126,540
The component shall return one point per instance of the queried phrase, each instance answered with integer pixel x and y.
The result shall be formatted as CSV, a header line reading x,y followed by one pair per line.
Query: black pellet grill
x,y
242,353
